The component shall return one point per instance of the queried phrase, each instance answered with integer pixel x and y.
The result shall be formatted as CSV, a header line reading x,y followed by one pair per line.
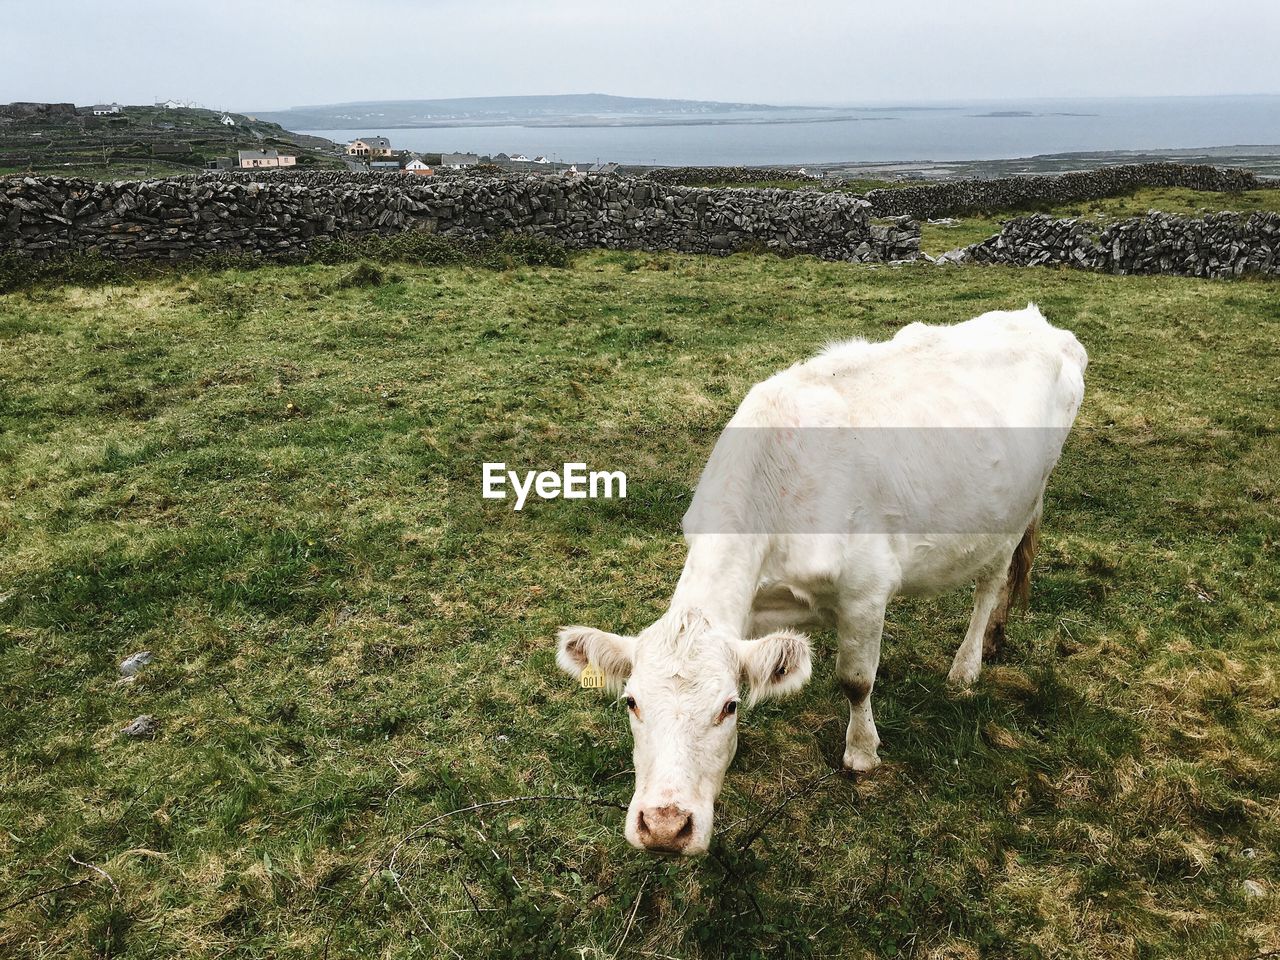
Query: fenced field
x,y
270,479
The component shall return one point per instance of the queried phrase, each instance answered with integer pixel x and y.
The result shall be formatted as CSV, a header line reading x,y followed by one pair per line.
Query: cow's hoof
x,y
962,677
859,765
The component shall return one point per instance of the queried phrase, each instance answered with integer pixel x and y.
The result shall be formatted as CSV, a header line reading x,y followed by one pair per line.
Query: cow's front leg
x,y
859,627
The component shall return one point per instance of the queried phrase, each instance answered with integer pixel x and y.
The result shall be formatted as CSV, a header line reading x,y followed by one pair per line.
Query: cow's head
x,y
680,681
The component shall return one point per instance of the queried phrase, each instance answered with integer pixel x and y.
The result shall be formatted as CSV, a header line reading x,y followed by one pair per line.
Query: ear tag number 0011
x,y
592,678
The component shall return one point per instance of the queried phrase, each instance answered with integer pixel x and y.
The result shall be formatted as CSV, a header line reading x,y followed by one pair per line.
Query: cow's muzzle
x,y
665,829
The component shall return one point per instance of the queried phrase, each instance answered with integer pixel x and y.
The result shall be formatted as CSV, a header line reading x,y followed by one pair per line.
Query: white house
x,y
105,109
457,161
253,159
416,166
174,104
228,120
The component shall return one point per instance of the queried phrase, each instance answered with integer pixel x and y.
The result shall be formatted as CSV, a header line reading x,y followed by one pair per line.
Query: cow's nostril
x,y
668,828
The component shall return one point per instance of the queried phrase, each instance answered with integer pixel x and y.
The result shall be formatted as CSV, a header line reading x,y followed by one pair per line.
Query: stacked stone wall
x,y
1219,245
282,214
958,197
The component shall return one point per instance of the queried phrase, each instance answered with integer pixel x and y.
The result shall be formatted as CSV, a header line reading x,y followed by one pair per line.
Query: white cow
x,y
913,466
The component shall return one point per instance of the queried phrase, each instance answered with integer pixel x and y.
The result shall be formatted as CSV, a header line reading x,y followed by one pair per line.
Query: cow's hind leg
x,y
859,627
1014,589
993,636
989,592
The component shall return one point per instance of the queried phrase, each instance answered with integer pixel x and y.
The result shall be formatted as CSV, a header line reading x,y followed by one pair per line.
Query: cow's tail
x,y
1016,590
1024,556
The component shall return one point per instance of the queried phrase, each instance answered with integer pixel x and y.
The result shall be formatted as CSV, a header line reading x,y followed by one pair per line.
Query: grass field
x,y
271,480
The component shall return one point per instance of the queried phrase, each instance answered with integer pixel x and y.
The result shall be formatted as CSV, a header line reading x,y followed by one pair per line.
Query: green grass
x,y
1173,200
87,169
271,480
18,272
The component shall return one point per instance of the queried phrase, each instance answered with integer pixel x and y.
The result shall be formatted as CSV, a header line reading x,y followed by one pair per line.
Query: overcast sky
x,y
267,54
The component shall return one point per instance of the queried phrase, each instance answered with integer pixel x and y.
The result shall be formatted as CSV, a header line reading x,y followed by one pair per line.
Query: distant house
x,y
228,120
603,169
173,104
519,158
540,159
220,163
252,159
105,109
404,163
457,161
369,147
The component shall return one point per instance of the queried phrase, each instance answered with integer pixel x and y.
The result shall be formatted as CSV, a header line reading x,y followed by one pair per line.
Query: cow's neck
x,y
720,578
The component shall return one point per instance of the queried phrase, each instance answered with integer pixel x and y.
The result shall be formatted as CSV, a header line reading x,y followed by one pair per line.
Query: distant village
x,y
179,135
377,155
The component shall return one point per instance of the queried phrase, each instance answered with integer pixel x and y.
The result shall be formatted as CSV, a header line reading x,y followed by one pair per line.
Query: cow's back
x,y
932,448
1004,368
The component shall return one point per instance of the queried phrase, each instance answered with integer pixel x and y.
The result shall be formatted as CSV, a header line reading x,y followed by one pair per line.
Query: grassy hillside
x,y
144,142
271,480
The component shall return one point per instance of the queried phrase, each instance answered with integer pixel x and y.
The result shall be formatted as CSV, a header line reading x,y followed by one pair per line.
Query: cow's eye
x,y
631,703
728,710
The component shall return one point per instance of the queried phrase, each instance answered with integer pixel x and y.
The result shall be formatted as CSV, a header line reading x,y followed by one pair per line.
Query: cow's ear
x,y
774,665
607,652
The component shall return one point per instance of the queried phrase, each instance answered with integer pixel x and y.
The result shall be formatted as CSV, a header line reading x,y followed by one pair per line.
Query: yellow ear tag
x,y
592,678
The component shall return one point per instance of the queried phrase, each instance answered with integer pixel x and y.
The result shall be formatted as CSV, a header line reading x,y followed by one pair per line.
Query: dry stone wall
x,y
282,215
1219,245
957,197
737,175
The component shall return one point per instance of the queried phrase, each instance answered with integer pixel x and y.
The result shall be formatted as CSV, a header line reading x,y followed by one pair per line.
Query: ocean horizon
x,y
868,133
